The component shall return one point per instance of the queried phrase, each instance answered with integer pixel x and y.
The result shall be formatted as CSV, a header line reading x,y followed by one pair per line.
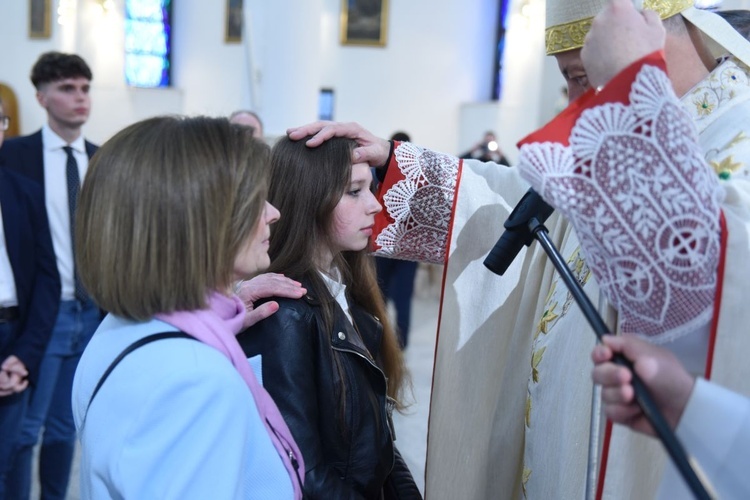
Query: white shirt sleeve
x,y
715,429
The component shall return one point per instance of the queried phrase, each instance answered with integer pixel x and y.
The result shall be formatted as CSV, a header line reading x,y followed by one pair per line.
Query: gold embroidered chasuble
x,y
509,415
720,108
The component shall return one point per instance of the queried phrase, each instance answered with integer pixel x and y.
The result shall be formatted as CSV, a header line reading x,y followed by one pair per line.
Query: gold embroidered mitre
x,y
568,21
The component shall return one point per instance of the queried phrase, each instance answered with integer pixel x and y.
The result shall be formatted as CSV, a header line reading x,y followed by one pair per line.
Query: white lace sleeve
x,y
645,205
420,205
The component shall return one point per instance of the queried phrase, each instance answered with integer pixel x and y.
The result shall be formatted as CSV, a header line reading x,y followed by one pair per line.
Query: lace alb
x,y
644,204
420,205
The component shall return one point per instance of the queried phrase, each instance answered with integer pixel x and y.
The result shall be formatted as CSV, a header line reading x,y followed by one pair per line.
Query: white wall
x,y
18,54
438,55
438,60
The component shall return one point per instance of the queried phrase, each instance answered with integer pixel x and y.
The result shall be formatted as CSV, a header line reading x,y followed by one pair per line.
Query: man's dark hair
x,y
53,66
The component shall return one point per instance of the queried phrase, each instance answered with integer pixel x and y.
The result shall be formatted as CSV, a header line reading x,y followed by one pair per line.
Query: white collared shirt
x,y
338,290
8,294
56,201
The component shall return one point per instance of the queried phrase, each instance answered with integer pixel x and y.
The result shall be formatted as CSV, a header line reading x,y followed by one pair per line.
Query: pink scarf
x,y
217,326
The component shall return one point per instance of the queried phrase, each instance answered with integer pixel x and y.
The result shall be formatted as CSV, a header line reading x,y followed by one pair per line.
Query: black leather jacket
x,y
349,450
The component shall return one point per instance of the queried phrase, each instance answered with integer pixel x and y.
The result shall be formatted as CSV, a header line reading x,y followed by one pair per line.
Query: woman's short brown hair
x,y
165,207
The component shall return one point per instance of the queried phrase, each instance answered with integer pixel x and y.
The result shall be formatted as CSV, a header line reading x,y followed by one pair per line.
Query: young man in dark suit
x,y
29,298
56,158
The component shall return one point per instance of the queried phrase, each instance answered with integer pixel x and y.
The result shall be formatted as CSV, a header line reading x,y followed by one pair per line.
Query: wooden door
x,y
10,108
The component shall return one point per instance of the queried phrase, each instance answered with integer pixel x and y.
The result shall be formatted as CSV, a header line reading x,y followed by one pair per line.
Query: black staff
x,y
525,224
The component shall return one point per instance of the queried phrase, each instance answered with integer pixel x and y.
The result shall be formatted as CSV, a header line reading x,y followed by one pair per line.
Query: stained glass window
x,y
147,43
497,74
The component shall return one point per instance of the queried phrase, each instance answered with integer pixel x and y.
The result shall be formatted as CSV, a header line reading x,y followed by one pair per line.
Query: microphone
x,y
517,233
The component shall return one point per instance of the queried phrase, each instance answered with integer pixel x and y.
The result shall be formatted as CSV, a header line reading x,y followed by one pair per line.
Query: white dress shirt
x,y
338,290
56,200
8,295
715,429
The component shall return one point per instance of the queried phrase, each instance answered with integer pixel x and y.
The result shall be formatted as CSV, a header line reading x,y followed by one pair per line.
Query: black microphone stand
x,y
525,225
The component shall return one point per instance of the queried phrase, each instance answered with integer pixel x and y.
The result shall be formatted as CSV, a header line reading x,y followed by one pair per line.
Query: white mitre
x,y
568,21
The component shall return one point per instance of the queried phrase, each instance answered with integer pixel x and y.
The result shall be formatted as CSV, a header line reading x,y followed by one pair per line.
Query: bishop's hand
x,y
619,36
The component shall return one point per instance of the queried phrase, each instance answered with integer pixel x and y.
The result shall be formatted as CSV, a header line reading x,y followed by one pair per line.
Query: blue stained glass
x,y
147,43
147,10
143,70
145,38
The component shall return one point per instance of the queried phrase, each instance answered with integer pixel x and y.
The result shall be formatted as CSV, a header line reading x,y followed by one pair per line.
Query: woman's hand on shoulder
x,y
265,286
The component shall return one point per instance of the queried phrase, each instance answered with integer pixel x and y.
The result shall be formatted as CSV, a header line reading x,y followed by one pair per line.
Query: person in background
x,y
56,157
712,422
249,119
739,19
29,299
709,83
331,360
488,149
173,212
396,279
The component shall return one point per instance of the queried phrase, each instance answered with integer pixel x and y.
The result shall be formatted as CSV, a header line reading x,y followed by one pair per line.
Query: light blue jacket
x,y
174,420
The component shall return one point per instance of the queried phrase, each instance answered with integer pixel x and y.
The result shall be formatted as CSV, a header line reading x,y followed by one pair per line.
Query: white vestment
x,y
511,396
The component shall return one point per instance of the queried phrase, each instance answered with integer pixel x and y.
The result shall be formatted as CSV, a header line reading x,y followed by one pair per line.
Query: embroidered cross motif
x,y
634,184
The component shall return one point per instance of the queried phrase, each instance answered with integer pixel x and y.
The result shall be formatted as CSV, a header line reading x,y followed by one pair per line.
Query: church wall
x,y
438,55
432,79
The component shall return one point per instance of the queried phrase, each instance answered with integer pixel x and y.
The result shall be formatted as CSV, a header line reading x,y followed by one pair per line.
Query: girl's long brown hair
x,y
306,185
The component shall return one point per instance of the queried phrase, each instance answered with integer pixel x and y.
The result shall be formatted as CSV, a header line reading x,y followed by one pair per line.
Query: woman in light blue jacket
x,y
173,211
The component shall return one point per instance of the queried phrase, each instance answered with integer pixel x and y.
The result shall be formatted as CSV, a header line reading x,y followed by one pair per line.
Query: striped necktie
x,y
74,187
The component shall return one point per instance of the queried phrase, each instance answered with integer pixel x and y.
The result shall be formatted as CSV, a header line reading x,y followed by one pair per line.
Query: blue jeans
x,y
12,409
50,406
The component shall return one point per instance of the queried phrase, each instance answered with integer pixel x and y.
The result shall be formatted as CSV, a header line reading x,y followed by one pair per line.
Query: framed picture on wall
x,y
233,22
364,22
39,19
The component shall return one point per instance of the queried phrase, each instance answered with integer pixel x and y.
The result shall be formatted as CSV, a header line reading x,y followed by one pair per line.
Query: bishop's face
x,y
572,70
